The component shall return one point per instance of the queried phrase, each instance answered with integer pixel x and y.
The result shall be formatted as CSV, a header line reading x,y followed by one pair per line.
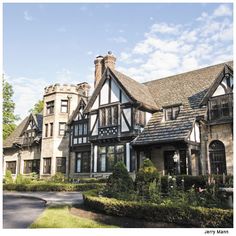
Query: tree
x,y
38,107
8,110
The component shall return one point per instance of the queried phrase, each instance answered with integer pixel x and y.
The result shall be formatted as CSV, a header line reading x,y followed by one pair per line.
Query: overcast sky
x,y
57,43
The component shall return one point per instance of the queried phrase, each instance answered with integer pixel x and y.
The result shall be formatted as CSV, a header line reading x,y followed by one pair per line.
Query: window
x,y
171,113
64,106
31,166
50,107
46,130
82,162
80,132
108,116
61,164
108,156
217,157
51,129
29,136
11,166
220,107
47,165
62,128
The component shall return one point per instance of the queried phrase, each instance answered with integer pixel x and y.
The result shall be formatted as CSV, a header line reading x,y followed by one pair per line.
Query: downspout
x,y
69,156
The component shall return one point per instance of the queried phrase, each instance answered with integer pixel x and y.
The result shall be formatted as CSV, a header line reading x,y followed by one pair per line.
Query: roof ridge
x,y
191,71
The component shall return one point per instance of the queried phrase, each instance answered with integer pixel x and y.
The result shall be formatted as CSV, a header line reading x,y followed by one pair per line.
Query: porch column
x,y
95,156
128,156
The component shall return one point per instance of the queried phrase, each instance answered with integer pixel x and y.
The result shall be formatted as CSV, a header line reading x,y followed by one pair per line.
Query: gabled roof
x,y
136,91
75,112
187,89
15,135
182,88
219,78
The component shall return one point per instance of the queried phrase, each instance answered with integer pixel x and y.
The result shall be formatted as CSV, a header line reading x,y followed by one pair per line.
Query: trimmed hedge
x,y
52,187
193,216
93,180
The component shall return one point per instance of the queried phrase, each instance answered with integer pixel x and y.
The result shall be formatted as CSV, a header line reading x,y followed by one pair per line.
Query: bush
x,y
119,183
93,180
146,176
52,187
8,177
193,216
58,178
20,179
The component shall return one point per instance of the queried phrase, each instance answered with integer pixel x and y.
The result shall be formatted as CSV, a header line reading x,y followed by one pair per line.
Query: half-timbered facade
x,y
22,149
183,123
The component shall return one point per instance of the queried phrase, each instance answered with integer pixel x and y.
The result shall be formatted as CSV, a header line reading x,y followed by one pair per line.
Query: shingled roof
x,y
187,89
8,143
15,135
139,92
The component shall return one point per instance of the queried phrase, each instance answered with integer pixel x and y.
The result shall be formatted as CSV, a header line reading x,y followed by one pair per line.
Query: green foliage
x,y
58,178
8,110
38,107
92,180
145,176
119,183
8,178
20,179
49,186
193,216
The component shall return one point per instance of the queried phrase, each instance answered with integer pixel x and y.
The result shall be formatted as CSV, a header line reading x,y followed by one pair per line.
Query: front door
x,y
169,163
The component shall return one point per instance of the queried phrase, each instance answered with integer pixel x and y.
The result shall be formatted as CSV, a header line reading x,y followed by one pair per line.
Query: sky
x,y
44,44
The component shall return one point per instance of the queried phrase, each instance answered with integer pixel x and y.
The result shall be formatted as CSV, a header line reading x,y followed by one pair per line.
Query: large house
x,y
183,123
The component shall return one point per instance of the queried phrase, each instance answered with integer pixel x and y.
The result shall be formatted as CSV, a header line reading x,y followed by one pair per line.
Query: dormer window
x,y
171,113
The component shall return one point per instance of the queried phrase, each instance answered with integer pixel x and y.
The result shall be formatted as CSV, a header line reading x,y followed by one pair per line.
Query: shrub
x,y
21,179
145,176
119,183
93,180
8,177
193,216
58,178
52,187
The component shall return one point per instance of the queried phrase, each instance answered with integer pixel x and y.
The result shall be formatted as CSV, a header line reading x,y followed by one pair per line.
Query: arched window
x,y
217,157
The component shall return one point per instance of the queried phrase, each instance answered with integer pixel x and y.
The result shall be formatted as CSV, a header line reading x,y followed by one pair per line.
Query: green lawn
x,y
60,217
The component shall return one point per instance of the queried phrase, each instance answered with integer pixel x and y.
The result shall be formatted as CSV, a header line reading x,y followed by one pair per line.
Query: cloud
x,y
222,10
119,39
168,48
27,17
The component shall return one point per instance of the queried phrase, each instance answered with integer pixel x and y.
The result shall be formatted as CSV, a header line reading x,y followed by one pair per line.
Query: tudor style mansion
x,y
183,123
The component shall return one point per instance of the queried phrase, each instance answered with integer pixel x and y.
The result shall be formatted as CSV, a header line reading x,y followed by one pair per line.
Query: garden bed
x,y
50,186
186,215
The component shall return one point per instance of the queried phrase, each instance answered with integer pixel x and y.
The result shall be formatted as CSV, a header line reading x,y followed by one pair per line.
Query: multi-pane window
x,y
31,166
11,166
217,157
64,106
50,107
46,130
29,136
61,164
220,107
171,113
47,165
108,116
62,128
82,162
80,132
108,156
51,129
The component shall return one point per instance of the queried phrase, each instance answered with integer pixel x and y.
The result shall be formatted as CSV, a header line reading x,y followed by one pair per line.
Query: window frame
x,y
47,160
35,166
61,165
108,116
64,106
109,166
82,161
60,129
50,107
81,125
169,113
10,165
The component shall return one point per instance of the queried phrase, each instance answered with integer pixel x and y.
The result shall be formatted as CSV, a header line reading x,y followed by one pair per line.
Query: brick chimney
x,y
101,63
110,60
